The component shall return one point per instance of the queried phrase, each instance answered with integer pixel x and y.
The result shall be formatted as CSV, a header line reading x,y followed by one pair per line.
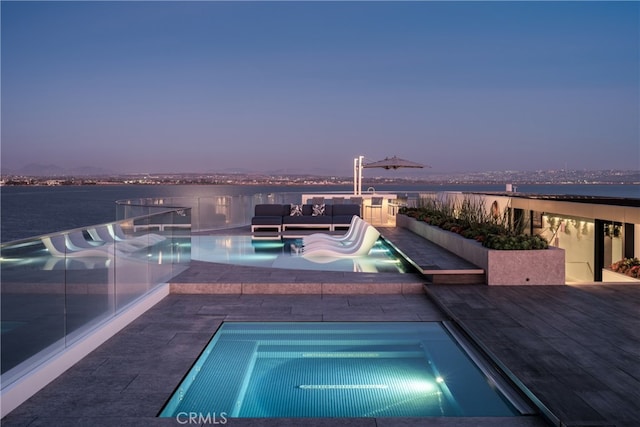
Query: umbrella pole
x,y
357,175
360,159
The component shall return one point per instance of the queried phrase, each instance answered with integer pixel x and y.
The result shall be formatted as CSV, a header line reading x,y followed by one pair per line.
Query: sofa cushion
x,y
307,219
342,220
268,210
266,220
347,209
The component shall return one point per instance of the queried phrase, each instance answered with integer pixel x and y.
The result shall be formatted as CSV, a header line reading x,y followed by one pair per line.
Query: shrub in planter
x,y
514,242
627,266
473,225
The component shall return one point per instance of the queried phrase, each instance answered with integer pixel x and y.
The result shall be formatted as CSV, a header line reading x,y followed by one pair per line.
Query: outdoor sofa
x,y
281,217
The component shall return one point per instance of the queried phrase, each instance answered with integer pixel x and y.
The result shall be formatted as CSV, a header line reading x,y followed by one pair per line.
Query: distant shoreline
x,y
325,184
308,181
372,177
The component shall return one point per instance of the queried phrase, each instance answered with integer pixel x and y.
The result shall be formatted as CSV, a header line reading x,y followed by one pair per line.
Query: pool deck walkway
x,y
216,278
576,349
127,380
437,264
433,264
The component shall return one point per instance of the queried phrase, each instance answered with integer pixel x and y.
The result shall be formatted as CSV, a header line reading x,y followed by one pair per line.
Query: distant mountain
x,y
317,171
89,171
36,169
285,171
232,171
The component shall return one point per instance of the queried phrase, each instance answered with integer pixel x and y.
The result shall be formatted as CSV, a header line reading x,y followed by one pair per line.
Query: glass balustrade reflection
x,y
57,288
32,305
207,213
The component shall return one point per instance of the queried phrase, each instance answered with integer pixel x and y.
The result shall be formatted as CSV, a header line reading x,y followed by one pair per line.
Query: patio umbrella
x,y
393,163
388,163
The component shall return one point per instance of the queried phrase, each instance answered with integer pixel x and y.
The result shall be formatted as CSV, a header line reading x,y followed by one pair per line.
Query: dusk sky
x,y
308,86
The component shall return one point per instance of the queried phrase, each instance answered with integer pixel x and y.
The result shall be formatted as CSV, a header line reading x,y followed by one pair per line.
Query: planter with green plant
x,y
625,270
488,240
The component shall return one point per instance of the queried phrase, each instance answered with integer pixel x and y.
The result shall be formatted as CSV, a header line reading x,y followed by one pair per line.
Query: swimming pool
x,y
282,253
336,369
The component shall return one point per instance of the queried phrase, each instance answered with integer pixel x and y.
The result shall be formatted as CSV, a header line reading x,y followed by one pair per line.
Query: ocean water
x,y
32,211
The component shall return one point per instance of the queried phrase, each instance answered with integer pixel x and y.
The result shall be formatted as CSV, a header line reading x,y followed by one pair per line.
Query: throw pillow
x,y
318,210
296,210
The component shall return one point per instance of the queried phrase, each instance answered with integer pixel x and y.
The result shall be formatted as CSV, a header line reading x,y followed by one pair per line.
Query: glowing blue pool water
x,y
281,253
332,369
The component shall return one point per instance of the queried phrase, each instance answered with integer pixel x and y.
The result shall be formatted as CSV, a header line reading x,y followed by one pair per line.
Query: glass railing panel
x,y
208,213
32,287
175,248
132,277
161,245
178,253
89,283
214,213
56,288
241,210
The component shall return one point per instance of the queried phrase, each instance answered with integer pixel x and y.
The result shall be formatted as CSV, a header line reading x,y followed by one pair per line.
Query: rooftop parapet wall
x,y
515,267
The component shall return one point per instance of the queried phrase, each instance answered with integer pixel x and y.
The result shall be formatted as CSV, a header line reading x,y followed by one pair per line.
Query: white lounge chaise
x,y
100,233
356,221
75,241
360,247
352,239
142,241
57,246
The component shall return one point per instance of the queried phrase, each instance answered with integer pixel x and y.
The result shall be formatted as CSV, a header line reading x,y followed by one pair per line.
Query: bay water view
x,y
32,211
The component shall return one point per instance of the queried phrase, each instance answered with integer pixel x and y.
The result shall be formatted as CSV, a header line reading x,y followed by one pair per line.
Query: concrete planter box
x,y
611,276
533,267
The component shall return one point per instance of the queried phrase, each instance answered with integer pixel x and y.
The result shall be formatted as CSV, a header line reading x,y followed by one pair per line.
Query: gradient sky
x,y
307,86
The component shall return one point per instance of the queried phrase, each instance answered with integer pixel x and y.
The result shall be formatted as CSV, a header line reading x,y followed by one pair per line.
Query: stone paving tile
x,y
401,308
307,301
128,379
564,343
205,272
59,421
373,300
369,317
423,252
252,310
274,318
461,422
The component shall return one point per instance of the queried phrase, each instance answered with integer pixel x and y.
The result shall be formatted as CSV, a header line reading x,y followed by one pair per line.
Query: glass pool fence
x,y
207,213
220,212
56,288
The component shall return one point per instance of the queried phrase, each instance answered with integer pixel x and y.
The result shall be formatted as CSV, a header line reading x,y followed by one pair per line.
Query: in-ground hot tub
x,y
338,369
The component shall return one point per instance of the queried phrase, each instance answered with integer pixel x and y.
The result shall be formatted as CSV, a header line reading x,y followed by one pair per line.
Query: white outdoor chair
x,y
358,248
56,245
101,234
142,241
355,227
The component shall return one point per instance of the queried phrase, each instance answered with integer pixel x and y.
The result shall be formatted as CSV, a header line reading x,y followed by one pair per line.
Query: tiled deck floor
x,y
127,380
576,347
206,277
